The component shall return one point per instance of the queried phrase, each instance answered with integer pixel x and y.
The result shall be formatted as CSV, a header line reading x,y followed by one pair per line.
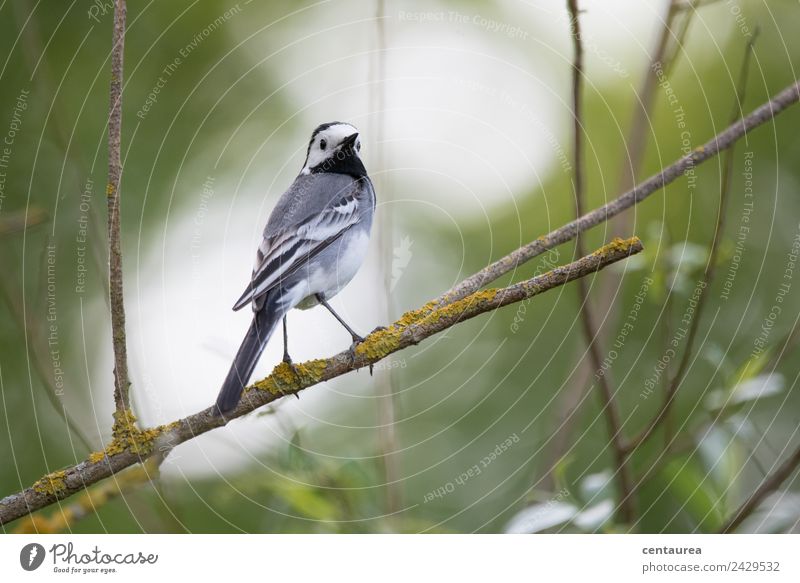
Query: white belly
x,y
339,269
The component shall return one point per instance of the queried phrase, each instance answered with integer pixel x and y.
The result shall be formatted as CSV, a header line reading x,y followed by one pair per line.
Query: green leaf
x,y
692,488
306,500
722,457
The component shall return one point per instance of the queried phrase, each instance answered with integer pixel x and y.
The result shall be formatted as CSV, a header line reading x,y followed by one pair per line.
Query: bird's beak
x,y
349,142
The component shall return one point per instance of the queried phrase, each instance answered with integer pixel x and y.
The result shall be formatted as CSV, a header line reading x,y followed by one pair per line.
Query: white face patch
x,y
325,143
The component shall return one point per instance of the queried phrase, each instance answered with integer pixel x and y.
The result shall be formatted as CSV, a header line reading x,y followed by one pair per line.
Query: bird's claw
x,y
352,351
288,362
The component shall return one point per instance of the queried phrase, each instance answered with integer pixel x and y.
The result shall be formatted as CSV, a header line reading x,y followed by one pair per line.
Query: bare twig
x,y
121,379
14,222
131,445
637,135
769,485
722,141
682,31
711,265
385,382
633,155
17,221
42,367
590,335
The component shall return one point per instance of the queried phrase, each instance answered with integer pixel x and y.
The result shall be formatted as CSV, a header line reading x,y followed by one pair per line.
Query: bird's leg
x,y
286,358
356,338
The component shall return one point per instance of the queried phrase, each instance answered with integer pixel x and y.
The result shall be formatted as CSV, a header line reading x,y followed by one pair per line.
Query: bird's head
x,y
334,148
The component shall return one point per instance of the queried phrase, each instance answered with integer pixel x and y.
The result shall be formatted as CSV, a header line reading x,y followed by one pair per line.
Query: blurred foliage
x,y
734,416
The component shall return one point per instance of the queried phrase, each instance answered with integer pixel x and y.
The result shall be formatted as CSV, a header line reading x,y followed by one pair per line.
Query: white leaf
x,y
758,387
540,517
594,516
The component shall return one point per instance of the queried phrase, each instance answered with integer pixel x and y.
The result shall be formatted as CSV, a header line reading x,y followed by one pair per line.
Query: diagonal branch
x,y
722,141
90,500
767,487
131,445
121,379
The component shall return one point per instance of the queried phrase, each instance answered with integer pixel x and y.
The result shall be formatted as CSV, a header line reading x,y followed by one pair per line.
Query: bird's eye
x,y
323,144
358,146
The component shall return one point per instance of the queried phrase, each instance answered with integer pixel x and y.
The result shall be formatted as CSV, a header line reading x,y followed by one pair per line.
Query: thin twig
x,y
17,221
722,141
769,485
34,48
131,445
637,135
632,158
121,379
711,266
680,36
385,385
42,367
590,335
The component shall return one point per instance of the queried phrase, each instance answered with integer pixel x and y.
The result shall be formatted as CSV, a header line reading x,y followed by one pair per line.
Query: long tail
x,y
255,340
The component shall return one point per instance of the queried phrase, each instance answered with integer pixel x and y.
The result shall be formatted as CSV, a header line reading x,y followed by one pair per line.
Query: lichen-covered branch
x,y
131,445
91,500
722,141
121,379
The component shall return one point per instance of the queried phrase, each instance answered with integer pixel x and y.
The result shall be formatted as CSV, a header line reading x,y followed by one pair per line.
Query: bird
x,y
315,240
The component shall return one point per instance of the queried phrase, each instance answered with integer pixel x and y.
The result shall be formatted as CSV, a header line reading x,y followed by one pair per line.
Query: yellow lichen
x,y
97,456
110,189
52,483
126,436
286,379
616,245
383,342
90,500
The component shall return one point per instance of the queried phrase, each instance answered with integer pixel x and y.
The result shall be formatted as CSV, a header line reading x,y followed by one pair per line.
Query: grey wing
x,y
286,248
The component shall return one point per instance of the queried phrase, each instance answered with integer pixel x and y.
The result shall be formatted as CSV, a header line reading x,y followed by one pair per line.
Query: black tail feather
x,y
264,322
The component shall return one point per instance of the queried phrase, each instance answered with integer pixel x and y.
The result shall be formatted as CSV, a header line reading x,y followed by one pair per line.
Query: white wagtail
x,y
314,242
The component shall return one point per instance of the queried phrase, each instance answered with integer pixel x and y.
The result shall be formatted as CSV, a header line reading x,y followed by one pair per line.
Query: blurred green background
x,y
464,108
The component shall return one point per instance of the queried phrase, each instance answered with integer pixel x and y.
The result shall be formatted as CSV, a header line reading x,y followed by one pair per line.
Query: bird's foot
x,y
352,351
287,360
